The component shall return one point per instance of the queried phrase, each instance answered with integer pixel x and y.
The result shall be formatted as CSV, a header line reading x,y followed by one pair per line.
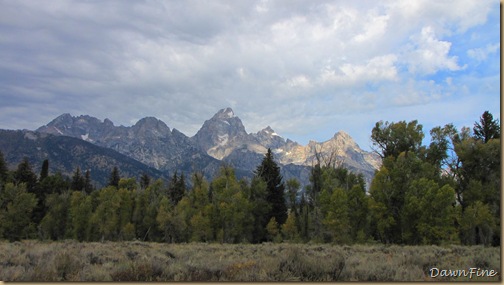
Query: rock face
x,y
222,138
149,141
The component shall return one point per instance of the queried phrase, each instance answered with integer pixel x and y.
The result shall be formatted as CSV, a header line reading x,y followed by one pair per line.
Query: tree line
x,y
445,193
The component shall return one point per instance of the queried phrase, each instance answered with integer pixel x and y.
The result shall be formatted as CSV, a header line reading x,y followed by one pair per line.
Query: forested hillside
x,y
447,192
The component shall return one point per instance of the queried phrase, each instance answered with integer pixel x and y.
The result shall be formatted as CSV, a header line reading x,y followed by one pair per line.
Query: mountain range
x,y
221,139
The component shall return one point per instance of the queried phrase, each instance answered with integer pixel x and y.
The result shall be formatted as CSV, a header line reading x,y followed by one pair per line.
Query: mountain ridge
x,y
221,139
66,153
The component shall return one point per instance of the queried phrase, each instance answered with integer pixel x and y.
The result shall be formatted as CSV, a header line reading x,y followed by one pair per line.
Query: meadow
x,y
69,260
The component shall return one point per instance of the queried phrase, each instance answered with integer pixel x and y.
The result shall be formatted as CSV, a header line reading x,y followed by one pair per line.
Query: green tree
x,y
78,181
128,184
390,139
176,188
232,218
435,223
54,224
478,224
24,174
487,128
4,171
114,177
269,171
16,207
273,229
88,186
260,209
292,191
200,223
475,172
147,205
289,228
79,215
336,219
358,210
106,217
145,180
44,172
164,219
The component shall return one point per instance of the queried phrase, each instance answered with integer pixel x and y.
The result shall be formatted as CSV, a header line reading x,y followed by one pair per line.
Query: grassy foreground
x,y
141,261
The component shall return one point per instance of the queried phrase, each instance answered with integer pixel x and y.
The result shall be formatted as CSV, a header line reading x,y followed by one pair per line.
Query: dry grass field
x,y
140,261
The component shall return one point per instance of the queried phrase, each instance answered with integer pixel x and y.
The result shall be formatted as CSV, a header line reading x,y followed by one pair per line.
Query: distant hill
x,y
65,154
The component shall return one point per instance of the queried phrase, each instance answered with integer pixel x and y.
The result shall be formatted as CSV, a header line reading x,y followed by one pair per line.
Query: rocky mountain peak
x,y
268,130
221,134
108,122
66,117
268,138
223,114
151,126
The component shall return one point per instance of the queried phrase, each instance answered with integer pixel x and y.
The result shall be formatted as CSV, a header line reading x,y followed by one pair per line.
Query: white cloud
x,y
481,54
288,64
429,54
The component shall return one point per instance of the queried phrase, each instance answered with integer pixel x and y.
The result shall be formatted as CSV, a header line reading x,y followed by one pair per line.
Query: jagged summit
x,y
221,134
225,113
268,130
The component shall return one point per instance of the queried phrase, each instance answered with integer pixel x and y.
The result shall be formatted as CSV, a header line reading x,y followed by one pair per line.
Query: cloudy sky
x,y
306,68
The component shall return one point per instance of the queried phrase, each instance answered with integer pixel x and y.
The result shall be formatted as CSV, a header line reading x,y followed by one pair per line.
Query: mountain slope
x,y
149,141
65,154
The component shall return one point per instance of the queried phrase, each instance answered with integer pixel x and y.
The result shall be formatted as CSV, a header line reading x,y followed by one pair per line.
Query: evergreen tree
x,y
176,188
114,177
77,180
88,187
145,181
292,189
270,173
24,174
4,171
44,172
260,209
487,128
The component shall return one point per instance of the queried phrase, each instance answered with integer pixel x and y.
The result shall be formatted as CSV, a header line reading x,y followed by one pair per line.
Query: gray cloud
x,y
308,69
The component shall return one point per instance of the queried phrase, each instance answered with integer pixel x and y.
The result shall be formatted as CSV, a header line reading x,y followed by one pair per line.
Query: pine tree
x,y
114,177
24,174
487,128
88,187
77,180
44,172
145,181
3,169
177,188
270,173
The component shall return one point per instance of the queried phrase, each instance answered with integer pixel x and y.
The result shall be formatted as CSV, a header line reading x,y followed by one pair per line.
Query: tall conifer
x,y
270,173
